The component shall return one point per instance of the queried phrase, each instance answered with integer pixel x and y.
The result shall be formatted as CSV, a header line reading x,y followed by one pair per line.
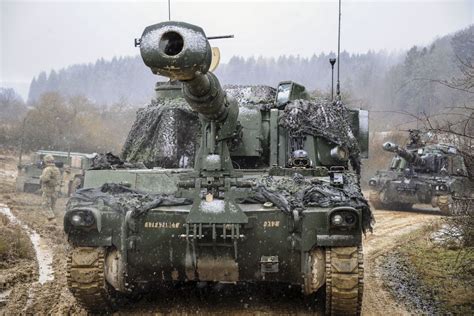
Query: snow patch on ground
x,y
447,235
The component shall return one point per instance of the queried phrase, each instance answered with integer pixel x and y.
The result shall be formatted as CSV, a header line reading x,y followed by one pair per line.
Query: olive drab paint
x,y
243,222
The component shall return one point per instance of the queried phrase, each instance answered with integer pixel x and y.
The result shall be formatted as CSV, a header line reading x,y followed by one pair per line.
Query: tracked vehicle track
x,y
344,280
86,279
374,199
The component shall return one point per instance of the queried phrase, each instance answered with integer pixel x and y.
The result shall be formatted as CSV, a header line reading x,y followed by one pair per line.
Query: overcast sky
x,y
45,35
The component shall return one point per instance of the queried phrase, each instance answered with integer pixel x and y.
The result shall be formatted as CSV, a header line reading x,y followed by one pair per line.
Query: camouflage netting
x,y
122,199
322,118
297,193
110,161
264,96
468,157
164,134
288,194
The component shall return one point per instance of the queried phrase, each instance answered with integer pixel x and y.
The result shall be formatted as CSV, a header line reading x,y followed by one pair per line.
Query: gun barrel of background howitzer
x,y
408,156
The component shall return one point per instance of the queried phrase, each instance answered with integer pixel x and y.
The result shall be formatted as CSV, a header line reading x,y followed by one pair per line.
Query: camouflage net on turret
x,y
164,134
110,161
322,118
298,193
263,96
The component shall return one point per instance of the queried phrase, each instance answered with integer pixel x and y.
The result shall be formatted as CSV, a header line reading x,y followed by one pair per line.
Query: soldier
x,y
50,180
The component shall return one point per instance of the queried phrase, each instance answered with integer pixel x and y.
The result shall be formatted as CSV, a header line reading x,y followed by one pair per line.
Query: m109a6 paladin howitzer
x,y
421,173
273,195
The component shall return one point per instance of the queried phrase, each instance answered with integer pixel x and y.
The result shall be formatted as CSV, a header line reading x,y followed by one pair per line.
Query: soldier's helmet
x,y
48,159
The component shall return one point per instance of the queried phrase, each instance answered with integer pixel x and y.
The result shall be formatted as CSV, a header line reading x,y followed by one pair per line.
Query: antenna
x,y
332,61
220,37
338,85
169,10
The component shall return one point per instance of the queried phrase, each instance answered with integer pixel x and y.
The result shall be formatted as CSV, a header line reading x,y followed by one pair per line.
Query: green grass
x,y
448,272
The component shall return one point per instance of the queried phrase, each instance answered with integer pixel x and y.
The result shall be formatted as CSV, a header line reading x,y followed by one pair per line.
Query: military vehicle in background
x,y
71,164
422,172
273,194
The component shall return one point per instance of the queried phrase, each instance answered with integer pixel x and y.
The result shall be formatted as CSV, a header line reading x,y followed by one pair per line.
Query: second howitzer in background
x,y
421,173
271,197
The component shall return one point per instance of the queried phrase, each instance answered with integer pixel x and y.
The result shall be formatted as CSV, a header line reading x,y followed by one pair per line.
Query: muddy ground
x,y
28,296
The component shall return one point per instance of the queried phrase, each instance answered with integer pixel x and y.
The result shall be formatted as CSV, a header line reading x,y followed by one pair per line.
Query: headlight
x,y
349,218
76,220
337,219
442,187
343,217
372,182
82,218
340,153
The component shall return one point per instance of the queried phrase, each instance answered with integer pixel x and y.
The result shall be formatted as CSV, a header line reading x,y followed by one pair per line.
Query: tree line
x,y
128,78
422,82
58,122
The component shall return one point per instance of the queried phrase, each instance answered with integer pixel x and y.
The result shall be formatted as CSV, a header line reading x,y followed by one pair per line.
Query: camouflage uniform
x,y
50,180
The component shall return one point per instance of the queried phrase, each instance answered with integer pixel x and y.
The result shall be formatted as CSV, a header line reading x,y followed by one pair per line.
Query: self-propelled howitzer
x,y
271,197
430,173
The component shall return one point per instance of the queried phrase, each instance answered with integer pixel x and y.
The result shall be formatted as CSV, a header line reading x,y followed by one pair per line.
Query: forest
x,y
406,86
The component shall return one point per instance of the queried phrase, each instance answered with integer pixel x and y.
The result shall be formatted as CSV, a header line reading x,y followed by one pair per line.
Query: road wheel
x,y
344,280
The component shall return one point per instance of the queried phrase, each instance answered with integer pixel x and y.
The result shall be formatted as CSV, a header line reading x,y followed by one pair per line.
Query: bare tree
x,y
12,106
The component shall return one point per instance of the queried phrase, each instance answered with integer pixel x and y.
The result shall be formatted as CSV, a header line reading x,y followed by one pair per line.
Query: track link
x,y
86,279
443,204
374,199
344,280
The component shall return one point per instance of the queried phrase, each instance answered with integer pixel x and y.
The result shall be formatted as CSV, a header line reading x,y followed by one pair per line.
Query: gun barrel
x,y
391,147
181,51
408,156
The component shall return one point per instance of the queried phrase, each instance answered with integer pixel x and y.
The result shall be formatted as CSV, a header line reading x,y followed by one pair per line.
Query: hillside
x,y
127,78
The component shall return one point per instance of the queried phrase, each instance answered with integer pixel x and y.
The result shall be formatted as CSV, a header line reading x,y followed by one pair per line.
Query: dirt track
x,y
53,297
391,229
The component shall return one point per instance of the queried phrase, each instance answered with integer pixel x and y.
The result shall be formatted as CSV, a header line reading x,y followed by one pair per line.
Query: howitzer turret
x,y
182,52
408,156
